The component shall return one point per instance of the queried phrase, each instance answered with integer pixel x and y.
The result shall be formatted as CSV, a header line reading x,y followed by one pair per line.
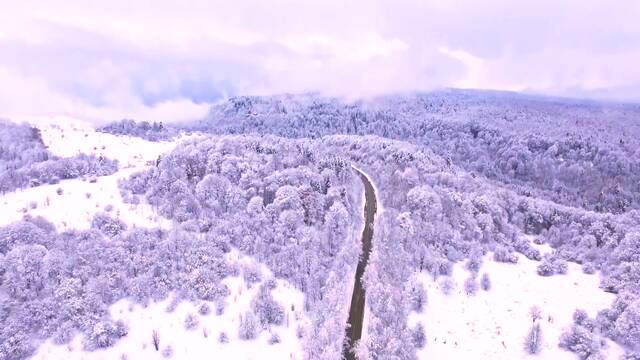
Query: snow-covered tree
x,y
580,341
268,311
533,340
628,325
248,328
24,272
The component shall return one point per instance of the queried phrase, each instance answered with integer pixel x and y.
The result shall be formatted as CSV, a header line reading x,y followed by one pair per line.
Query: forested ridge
x,y
583,154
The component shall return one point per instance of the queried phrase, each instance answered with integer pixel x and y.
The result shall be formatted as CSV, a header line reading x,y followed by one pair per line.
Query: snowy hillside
x,y
251,314
73,203
465,224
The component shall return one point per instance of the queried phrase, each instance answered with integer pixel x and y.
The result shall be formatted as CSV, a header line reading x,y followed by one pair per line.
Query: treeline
x,y
155,131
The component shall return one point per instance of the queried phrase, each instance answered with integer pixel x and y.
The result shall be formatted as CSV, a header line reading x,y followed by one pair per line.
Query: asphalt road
x,y
356,312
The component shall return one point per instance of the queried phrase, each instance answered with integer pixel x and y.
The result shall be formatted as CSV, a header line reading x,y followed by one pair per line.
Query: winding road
x,y
356,312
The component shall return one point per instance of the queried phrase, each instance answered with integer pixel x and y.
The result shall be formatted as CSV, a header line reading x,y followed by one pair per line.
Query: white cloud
x,y
475,71
359,49
106,58
25,97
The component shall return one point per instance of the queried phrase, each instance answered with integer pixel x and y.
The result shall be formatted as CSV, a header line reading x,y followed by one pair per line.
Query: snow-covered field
x,y
493,324
67,137
203,341
80,199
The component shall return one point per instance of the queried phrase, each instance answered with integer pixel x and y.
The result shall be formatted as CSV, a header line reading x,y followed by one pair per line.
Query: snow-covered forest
x,y
582,154
482,196
278,200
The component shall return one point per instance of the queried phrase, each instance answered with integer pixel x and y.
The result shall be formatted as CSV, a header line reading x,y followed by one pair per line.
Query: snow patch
x,y
66,137
78,202
493,324
81,199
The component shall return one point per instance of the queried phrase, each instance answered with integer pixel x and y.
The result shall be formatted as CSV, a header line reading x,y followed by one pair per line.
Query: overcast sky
x,y
167,60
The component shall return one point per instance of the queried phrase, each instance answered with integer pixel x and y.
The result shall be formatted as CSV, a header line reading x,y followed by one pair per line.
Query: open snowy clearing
x,y
80,199
66,137
78,202
493,324
203,341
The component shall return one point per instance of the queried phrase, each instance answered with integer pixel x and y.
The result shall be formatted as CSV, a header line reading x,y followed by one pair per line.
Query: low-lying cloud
x,y
168,61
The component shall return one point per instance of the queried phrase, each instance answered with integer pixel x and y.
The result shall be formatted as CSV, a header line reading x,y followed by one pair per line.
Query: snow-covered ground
x,y
493,324
68,137
203,341
79,201
81,198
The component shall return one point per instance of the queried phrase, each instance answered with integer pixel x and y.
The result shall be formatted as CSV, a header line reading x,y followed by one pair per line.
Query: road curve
x,y
356,311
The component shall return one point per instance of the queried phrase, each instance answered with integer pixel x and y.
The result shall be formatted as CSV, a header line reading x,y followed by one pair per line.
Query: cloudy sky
x,y
167,60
